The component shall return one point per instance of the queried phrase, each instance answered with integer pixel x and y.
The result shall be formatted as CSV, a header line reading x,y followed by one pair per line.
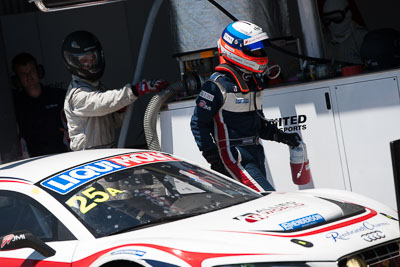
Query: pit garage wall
x,y
9,143
119,27
346,123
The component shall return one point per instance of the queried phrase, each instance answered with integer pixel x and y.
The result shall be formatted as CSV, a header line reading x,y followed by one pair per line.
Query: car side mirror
x,y
57,5
25,239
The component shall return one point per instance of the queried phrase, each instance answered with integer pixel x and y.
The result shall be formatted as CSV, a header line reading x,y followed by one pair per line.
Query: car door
x,y
19,214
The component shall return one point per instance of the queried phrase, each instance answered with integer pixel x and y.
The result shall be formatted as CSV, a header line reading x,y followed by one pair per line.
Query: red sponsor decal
x,y
191,257
136,159
254,218
267,212
371,213
6,240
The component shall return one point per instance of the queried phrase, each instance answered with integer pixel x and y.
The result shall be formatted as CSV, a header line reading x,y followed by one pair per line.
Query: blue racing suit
x,y
226,119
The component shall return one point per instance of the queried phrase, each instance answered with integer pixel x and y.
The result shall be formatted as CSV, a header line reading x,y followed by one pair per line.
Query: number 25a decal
x,y
96,196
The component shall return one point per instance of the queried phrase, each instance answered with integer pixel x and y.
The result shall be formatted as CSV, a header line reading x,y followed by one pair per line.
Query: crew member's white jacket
x,y
91,112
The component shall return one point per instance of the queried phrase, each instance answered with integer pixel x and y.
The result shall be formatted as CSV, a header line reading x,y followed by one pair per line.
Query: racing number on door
x,y
96,196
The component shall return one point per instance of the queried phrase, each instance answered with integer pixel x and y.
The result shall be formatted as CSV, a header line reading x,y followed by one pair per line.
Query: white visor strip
x,y
240,60
257,38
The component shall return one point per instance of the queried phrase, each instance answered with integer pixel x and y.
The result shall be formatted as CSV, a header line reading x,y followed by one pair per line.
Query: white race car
x,y
124,207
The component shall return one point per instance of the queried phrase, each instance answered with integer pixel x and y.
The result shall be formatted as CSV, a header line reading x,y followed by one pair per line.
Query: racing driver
x,y
228,120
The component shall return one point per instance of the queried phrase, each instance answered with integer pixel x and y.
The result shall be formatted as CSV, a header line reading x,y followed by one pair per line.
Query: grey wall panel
x,y
107,22
197,25
159,62
20,34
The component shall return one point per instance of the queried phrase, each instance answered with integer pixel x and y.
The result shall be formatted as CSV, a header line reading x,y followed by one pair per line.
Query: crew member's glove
x,y
290,139
212,157
150,86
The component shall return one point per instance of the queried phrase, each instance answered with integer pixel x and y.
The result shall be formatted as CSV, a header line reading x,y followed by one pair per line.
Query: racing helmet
x,y
83,55
242,44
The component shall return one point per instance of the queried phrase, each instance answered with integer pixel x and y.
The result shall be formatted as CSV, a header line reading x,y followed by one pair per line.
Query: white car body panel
x,y
248,232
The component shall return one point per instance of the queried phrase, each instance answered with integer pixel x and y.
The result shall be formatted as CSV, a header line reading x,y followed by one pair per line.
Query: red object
x,y
352,70
145,86
301,174
300,165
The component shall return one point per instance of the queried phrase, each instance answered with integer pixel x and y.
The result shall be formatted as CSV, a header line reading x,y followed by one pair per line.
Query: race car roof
x,y
38,168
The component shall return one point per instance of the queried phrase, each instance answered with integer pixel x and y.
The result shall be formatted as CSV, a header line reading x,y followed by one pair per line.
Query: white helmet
x,y
242,44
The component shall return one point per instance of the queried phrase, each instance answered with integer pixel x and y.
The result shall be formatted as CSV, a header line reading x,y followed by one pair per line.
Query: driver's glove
x,y
290,139
212,157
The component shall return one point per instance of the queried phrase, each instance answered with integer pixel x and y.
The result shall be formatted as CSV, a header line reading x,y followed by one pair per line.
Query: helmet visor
x,y
90,61
256,46
256,49
260,52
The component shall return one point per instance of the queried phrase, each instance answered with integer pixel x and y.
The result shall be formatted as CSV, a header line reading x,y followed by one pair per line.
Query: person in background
x,y
38,108
228,120
93,112
344,36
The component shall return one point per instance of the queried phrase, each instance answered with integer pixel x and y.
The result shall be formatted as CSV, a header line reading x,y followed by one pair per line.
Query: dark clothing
x,y
39,121
227,119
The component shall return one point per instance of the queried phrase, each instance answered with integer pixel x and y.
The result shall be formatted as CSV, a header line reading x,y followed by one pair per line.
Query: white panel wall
x,y
317,126
369,115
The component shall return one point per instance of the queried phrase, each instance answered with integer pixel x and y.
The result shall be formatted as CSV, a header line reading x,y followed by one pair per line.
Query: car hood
x,y
280,226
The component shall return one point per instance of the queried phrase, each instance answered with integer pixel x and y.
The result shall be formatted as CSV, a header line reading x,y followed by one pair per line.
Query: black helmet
x,y
83,55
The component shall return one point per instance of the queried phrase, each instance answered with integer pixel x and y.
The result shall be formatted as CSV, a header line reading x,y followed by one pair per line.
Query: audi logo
x,y
373,236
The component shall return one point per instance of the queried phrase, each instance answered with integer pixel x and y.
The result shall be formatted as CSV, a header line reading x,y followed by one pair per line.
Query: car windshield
x,y
149,194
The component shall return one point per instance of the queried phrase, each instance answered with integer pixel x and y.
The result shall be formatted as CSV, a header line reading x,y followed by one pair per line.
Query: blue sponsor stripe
x,y
302,222
129,251
69,180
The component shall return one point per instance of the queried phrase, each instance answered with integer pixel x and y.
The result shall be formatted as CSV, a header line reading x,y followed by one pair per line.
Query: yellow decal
x,y
96,196
113,191
83,207
35,191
